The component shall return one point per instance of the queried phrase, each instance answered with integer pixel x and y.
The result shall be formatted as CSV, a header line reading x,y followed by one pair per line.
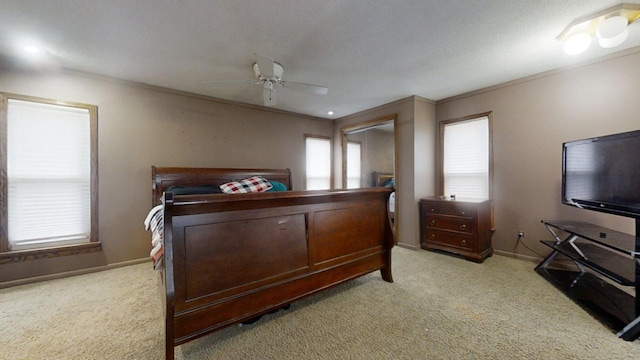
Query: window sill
x,y
46,253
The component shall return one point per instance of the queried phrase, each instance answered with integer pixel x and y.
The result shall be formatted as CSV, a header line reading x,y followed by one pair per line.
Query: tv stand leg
x,y
580,267
637,264
631,331
571,241
543,264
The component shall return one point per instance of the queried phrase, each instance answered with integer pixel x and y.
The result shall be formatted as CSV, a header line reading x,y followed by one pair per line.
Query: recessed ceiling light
x,y
330,112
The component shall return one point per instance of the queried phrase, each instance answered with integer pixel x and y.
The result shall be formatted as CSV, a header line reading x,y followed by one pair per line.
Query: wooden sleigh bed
x,y
229,258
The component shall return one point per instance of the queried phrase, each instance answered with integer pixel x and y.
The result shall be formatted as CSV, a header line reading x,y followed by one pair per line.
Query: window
x,y
466,162
318,160
49,174
354,165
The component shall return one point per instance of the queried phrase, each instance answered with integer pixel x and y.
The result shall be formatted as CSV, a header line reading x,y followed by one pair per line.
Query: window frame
x,y
320,137
359,143
442,124
6,254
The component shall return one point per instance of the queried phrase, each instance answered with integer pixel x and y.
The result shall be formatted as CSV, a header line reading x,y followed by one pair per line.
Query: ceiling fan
x,y
269,74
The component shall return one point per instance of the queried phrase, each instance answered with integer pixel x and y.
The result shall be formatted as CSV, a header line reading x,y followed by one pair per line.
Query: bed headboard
x,y
381,178
164,177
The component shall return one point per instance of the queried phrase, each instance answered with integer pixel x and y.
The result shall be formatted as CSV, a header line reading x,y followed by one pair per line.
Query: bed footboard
x,y
230,258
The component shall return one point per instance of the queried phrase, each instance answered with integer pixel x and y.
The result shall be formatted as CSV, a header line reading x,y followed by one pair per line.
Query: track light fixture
x,y
609,27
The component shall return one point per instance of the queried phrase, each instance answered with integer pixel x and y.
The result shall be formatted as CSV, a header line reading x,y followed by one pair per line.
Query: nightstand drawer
x,y
449,238
450,208
449,223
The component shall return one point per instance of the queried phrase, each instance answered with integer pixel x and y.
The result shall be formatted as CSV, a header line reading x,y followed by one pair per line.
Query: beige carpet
x,y
439,307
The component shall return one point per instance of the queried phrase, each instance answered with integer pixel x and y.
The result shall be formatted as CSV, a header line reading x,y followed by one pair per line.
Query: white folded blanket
x,y
147,221
154,222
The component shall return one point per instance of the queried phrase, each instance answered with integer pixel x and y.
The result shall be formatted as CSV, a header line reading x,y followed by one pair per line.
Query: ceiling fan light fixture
x,y
277,70
612,32
577,43
268,73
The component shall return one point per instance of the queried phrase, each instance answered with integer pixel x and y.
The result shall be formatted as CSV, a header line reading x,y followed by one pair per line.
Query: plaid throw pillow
x,y
252,184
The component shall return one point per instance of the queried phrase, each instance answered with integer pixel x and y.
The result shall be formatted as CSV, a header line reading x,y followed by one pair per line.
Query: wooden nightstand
x,y
461,227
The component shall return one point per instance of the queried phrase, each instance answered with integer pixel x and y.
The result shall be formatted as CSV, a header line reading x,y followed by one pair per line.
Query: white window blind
x,y
318,157
466,158
354,166
48,174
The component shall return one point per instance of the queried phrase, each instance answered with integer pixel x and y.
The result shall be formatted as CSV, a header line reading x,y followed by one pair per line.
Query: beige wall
x,y
143,126
531,120
424,158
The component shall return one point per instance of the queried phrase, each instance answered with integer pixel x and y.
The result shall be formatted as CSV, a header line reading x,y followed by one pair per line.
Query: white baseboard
x,y
517,256
407,246
558,263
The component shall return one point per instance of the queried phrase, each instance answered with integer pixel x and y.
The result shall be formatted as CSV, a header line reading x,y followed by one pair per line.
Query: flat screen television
x,y
603,174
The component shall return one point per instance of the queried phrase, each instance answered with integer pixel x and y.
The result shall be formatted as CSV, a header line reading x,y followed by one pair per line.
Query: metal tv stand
x,y
603,257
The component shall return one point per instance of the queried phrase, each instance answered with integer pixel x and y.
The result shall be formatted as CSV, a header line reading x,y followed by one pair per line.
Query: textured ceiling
x,y
368,52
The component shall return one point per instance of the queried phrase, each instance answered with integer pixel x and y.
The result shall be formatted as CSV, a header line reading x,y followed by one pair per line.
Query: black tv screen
x,y
603,173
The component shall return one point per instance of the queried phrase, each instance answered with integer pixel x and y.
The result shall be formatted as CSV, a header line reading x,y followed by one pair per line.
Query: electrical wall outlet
x,y
520,234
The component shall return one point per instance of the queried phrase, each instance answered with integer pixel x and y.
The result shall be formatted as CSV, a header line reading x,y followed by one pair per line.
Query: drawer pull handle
x,y
463,227
461,212
433,236
433,222
464,242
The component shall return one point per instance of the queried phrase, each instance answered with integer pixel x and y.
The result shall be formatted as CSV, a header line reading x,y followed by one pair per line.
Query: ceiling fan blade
x,y
314,89
265,64
214,82
269,95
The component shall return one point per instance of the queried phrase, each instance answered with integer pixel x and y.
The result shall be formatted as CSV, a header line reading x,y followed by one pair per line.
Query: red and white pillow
x,y
252,184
